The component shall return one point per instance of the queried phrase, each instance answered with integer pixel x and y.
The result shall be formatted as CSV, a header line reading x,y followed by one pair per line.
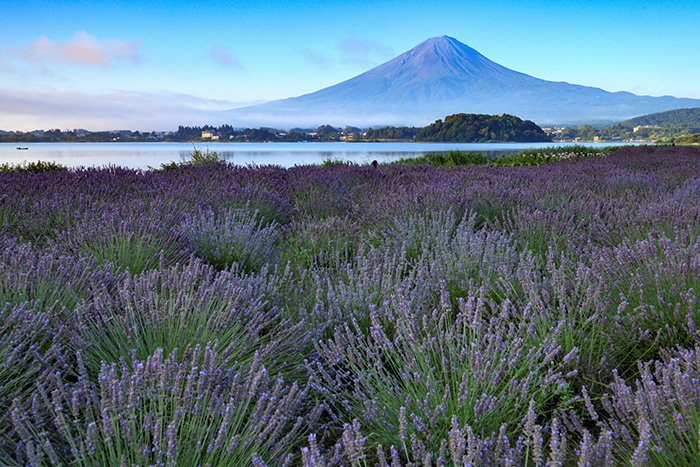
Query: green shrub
x,y
32,167
337,163
447,159
546,155
197,157
690,139
207,157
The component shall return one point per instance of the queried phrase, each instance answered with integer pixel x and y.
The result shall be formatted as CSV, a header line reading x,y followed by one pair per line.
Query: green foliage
x,y
33,167
136,245
658,127
586,132
170,409
45,278
539,156
428,375
327,130
392,133
474,128
74,136
447,159
690,139
337,163
688,117
539,231
197,157
204,158
308,242
129,251
168,166
490,210
187,305
547,155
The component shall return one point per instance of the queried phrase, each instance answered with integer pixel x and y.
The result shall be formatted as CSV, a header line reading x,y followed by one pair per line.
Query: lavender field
x,y
353,315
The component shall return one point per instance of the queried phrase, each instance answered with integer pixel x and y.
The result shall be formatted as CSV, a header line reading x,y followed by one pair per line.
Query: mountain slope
x,y
680,117
442,76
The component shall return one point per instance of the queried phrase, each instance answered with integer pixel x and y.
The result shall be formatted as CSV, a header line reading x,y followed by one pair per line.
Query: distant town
x,y
324,133
665,127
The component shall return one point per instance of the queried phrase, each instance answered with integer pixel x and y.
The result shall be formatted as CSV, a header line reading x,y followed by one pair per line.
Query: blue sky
x,y
151,65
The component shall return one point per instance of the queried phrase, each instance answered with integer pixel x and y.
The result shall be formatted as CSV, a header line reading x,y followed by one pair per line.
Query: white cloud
x,y
22,110
82,50
224,58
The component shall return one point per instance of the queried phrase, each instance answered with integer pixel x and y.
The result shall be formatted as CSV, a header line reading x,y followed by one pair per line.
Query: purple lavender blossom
x,y
346,314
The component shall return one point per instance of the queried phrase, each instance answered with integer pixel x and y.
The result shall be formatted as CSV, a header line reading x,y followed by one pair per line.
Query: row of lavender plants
x,y
353,315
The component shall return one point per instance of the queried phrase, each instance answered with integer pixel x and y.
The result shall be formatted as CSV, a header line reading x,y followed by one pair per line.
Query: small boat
x,y
19,148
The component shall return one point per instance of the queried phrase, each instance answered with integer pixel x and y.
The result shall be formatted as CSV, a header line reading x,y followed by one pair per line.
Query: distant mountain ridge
x,y
680,117
442,76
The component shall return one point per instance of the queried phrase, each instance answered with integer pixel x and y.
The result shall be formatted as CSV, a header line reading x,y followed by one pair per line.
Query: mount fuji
x,y
443,76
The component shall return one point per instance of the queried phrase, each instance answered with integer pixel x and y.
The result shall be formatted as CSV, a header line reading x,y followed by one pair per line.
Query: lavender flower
x,y
185,406
343,314
233,236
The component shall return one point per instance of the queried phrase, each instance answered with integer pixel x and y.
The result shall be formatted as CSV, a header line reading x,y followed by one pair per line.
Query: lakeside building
x,y
210,135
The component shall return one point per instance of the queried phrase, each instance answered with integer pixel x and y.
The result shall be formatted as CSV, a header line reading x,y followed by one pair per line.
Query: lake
x,y
144,155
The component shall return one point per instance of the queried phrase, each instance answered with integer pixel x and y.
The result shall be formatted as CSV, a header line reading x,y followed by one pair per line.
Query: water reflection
x,y
145,155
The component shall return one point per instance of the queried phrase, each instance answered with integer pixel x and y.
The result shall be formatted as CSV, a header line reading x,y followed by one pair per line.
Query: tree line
x,y
454,128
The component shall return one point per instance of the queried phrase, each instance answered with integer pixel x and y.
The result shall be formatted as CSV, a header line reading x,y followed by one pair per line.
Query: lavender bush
x,y
30,350
354,315
133,236
656,280
311,242
412,383
165,410
409,259
48,276
189,305
657,421
538,445
232,236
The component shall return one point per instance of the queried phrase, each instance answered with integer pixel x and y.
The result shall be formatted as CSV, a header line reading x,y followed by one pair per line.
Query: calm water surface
x,y
145,155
